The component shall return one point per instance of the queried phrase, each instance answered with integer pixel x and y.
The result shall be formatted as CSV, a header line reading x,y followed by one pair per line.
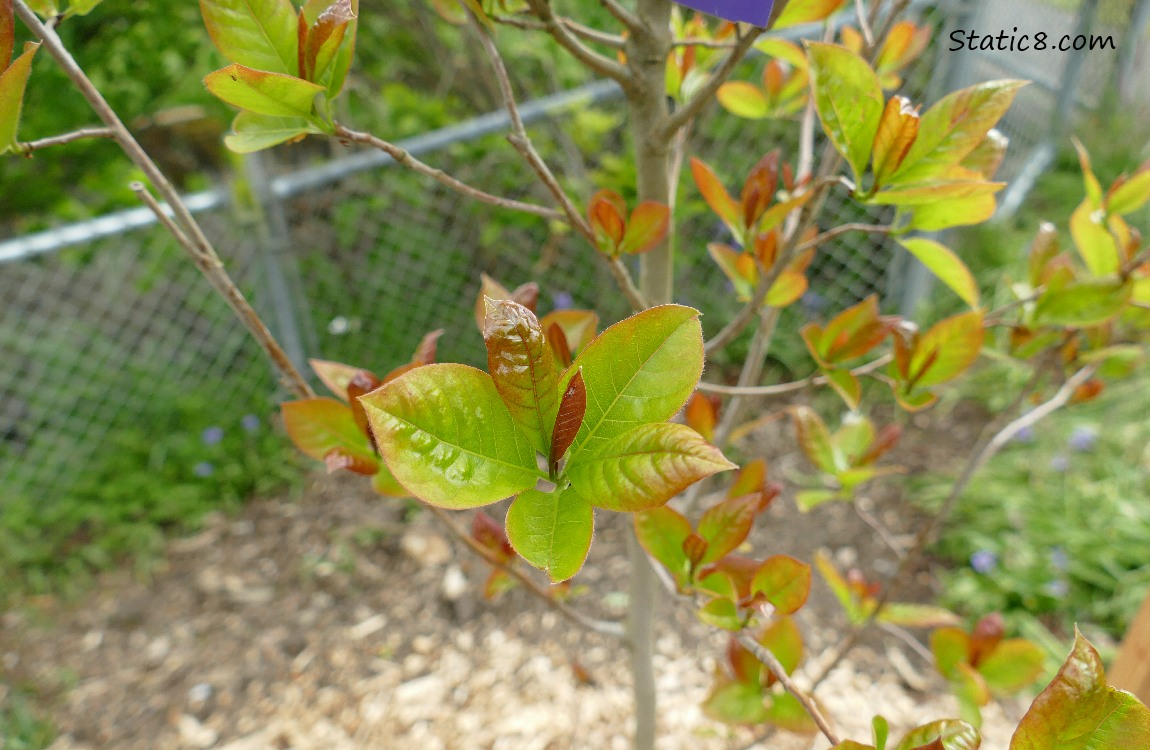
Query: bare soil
x,y
335,621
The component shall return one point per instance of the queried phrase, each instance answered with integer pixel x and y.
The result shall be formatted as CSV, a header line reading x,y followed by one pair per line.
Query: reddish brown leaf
x,y
605,214
489,532
7,33
425,352
492,289
558,342
986,636
582,676
695,548
647,227
329,30
740,569
527,294
745,667
569,418
886,439
759,190
702,414
302,29
726,525
751,478
362,382
579,326
717,196
784,582
318,426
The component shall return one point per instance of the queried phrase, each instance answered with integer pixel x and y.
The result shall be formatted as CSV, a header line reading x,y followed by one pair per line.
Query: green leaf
x,y
815,439
743,99
82,7
784,582
808,499
917,615
943,263
1082,304
523,368
736,703
383,483
260,34
13,81
956,212
1012,665
319,426
784,640
721,613
264,93
44,8
880,732
957,341
341,62
449,439
551,530
661,532
253,132
849,100
726,525
934,193
1093,240
951,647
954,127
640,370
839,587
786,712
1078,711
1130,195
954,734
645,467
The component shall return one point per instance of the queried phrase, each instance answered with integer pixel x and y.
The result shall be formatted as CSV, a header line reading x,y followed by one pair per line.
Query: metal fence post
x,y
273,242
1128,52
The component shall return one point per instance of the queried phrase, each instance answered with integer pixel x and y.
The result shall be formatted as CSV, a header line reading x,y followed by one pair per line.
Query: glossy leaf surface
x,y
640,370
951,733
318,426
264,93
448,438
1078,711
645,467
572,407
943,263
523,369
260,34
551,530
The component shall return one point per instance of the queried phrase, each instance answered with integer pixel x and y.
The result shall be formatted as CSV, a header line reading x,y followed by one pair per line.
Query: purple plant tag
x,y
754,12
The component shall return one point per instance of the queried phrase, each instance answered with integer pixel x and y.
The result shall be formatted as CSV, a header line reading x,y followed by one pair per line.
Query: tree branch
x,y
594,61
584,32
624,16
606,627
405,159
197,244
522,143
27,147
782,388
764,655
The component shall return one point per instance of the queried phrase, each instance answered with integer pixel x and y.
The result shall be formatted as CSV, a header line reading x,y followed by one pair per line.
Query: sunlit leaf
x,y
743,99
796,13
954,127
255,132
13,81
646,228
319,426
640,370
952,733
948,349
644,467
784,582
661,531
726,525
259,34
551,530
954,212
896,133
1131,194
1078,711
717,197
447,436
273,94
523,369
1085,303
948,267
1093,240
848,99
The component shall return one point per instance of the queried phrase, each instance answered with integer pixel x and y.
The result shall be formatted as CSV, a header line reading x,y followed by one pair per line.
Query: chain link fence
x,y
105,323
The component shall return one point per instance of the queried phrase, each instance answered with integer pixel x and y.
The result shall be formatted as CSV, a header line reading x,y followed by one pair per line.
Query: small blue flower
x,y
1057,589
562,300
1060,463
1083,439
1059,559
984,561
1025,435
212,435
203,469
250,422
812,303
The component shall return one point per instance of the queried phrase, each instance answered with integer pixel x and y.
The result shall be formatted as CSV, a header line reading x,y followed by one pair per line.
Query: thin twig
x,y
598,63
864,25
584,32
606,627
908,638
27,147
782,388
992,440
198,246
522,143
764,655
405,159
700,42
693,106
162,216
830,234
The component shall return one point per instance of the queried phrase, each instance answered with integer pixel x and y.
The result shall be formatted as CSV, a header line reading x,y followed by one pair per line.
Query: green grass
x,y
21,727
